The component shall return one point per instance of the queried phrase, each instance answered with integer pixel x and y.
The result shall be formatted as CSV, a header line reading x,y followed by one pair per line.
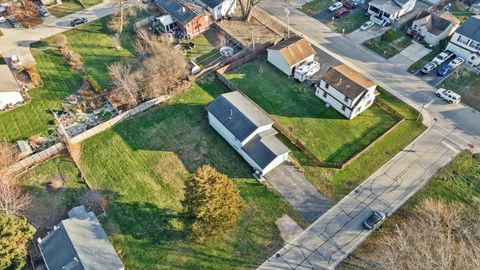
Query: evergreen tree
x,y
212,204
15,233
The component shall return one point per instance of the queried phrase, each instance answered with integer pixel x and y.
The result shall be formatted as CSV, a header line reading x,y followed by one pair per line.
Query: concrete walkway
x,y
298,191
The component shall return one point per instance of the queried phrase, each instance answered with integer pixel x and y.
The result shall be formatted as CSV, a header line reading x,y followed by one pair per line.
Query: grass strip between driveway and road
x,y
142,164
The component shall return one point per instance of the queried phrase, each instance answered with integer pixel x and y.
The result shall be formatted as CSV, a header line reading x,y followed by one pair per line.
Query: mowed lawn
x,y
143,162
94,43
467,84
71,6
324,131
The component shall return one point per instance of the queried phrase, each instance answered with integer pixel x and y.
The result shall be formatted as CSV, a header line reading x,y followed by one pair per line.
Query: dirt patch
x,y
242,31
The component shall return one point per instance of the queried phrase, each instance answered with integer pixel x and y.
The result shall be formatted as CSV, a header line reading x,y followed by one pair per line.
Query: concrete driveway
x,y
297,190
358,36
409,55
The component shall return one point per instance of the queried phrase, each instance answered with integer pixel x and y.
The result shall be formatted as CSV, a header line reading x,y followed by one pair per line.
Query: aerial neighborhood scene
x,y
239,134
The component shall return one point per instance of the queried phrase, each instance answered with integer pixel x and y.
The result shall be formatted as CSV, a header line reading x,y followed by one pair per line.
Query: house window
x,y
325,94
358,109
344,108
345,99
326,85
475,45
463,39
369,102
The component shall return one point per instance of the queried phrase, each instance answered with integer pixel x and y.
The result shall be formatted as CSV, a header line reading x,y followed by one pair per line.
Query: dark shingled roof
x,y
212,3
238,114
176,9
470,28
79,243
264,148
347,81
436,24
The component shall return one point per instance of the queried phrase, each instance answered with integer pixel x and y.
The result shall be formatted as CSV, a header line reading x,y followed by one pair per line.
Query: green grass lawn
x,y
458,182
71,6
143,163
349,23
388,49
467,84
94,43
205,50
315,6
324,131
50,206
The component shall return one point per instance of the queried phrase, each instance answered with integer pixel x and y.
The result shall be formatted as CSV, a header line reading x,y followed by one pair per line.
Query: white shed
x,y
248,130
288,54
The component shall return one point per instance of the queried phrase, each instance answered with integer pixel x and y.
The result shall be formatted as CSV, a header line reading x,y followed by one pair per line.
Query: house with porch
x,y
190,18
218,8
249,130
465,42
383,12
286,55
346,90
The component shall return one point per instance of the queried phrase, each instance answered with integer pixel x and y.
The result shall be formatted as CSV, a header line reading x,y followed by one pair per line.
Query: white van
x,y
448,95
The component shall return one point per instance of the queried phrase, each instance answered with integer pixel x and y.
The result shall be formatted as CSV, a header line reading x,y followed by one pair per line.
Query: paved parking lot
x,y
432,78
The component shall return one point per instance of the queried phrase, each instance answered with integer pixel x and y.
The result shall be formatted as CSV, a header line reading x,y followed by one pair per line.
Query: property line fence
x,y
36,158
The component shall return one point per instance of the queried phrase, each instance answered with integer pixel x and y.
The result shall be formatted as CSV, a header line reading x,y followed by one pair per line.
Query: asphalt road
x,y
451,128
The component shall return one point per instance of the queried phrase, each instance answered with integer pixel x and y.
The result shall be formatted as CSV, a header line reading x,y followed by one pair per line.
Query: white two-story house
x,y
465,42
218,8
383,12
249,130
346,90
432,28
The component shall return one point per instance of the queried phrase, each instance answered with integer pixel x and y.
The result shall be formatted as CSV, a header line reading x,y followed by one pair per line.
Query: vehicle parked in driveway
x,y
43,11
16,62
455,63
78,21
342,13
13,21
3,8
444,70
428,67
442,57
335,6
2,19
448,95
376,217
366,25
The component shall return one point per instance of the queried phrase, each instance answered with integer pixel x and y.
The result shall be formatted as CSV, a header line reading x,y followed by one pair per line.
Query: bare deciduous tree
x,y
247,7
94,198
125,83
435,236
8,155
13,200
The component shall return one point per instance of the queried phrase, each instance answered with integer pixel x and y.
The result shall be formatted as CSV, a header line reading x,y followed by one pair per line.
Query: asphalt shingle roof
x,y
212,3
347,81
470,28
181,11
264,148
294,50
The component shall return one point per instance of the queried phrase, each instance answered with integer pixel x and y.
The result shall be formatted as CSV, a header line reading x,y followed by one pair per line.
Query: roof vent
x,y
184,9
231,114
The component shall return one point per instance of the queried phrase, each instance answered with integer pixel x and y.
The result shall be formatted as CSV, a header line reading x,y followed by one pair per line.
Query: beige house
x,y
432,28
286,55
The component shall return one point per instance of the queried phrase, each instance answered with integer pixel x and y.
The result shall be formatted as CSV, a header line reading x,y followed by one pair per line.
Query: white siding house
x,y
288,54
432,28
248,130
384,12
465,42
346,91
218,8
9,89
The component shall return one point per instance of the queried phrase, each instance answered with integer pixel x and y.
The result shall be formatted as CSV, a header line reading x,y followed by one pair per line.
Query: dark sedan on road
x,y
78,21
444,70
373,220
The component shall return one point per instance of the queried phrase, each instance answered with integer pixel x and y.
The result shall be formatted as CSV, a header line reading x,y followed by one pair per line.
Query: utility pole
x,y
287,13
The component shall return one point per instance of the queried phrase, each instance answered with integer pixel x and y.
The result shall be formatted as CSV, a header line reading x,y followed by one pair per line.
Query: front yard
x,y
326,133
71,6
389,44
95,45
349,23
467,84
315,6
142,164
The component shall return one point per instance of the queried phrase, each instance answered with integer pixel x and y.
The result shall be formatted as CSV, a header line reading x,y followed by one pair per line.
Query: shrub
x,y
390,35
60,40
34,76
93,83
92,199
15,233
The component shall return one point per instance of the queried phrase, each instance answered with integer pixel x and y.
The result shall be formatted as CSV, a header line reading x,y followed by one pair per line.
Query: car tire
x,y
438,95
450,101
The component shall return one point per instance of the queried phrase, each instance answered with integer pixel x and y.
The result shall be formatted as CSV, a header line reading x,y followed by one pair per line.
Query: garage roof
x,y
294,50
264,148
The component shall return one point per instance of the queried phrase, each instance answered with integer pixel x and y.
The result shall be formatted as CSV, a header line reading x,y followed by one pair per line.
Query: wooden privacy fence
x,y
36,158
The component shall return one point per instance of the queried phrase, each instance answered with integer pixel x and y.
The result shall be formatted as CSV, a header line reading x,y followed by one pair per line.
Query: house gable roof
x,y
180,10
470,28
79,243
386,5
437,24
294,50
238,114
347,81
264,148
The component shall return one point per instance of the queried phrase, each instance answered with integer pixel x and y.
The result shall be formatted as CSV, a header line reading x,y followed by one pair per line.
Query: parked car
x,y
366,25
3,8
444,70
43,11
13,21
78,21
349,4
448,95
376,217
16,62
442,57
342,13
428,67
335,6
2,19
456,62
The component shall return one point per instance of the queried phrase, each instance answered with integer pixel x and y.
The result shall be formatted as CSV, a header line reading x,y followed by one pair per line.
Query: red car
x,y
342,13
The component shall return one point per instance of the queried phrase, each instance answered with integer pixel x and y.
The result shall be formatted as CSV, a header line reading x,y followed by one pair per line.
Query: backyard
x,y
71,6
457,183
467,84
142,164
389,44
205,50
96,47
325,132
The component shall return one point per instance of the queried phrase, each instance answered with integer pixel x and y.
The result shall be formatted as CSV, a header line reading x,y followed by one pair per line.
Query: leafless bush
x,y
13,200
73,58
56,183
126,87
435,236
8,154
93,199
60,40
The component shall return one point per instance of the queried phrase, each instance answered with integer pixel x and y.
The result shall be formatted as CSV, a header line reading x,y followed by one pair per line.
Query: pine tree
x,y
212,204
15,233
